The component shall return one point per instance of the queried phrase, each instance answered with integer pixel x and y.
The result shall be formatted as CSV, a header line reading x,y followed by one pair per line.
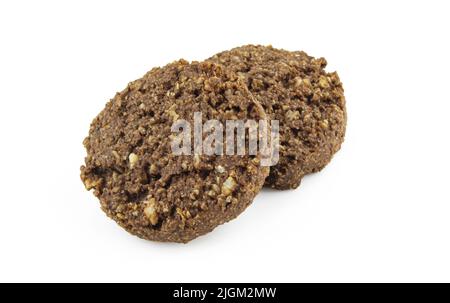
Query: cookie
x,y
309,103
130,164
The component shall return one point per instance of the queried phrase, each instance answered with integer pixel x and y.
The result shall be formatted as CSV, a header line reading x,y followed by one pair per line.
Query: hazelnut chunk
x,y
228,199
292,115
324,124
228,186
150,211
194,194
307,117
196,161
298,81
181,214
204,206
220,169
188,214
307,82
142,130
323,82
116,155
215,188
211,193
133,158
241,75
153,169
90,184
172,113
199,80
256,161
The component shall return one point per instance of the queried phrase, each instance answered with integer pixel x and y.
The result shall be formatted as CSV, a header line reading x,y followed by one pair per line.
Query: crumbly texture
x,y
141,184
309,103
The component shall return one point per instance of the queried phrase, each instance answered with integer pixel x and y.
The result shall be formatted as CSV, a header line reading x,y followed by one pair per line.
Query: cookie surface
x,y
309,103
141,184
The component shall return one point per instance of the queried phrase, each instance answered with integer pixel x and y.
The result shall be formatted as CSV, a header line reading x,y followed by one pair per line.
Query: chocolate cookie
x,y
309,103
141,183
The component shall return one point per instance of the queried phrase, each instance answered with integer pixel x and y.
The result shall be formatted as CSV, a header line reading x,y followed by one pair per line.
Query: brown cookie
x,y
141,184
309,103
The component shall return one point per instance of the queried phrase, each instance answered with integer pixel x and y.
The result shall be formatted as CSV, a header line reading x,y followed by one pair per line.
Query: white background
x,y
380,212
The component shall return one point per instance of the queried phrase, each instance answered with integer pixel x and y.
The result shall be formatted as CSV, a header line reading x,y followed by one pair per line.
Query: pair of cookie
x,y
161,196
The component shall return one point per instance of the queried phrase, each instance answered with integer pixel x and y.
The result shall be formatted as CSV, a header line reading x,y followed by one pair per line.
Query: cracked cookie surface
x,y
141,184
309,103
